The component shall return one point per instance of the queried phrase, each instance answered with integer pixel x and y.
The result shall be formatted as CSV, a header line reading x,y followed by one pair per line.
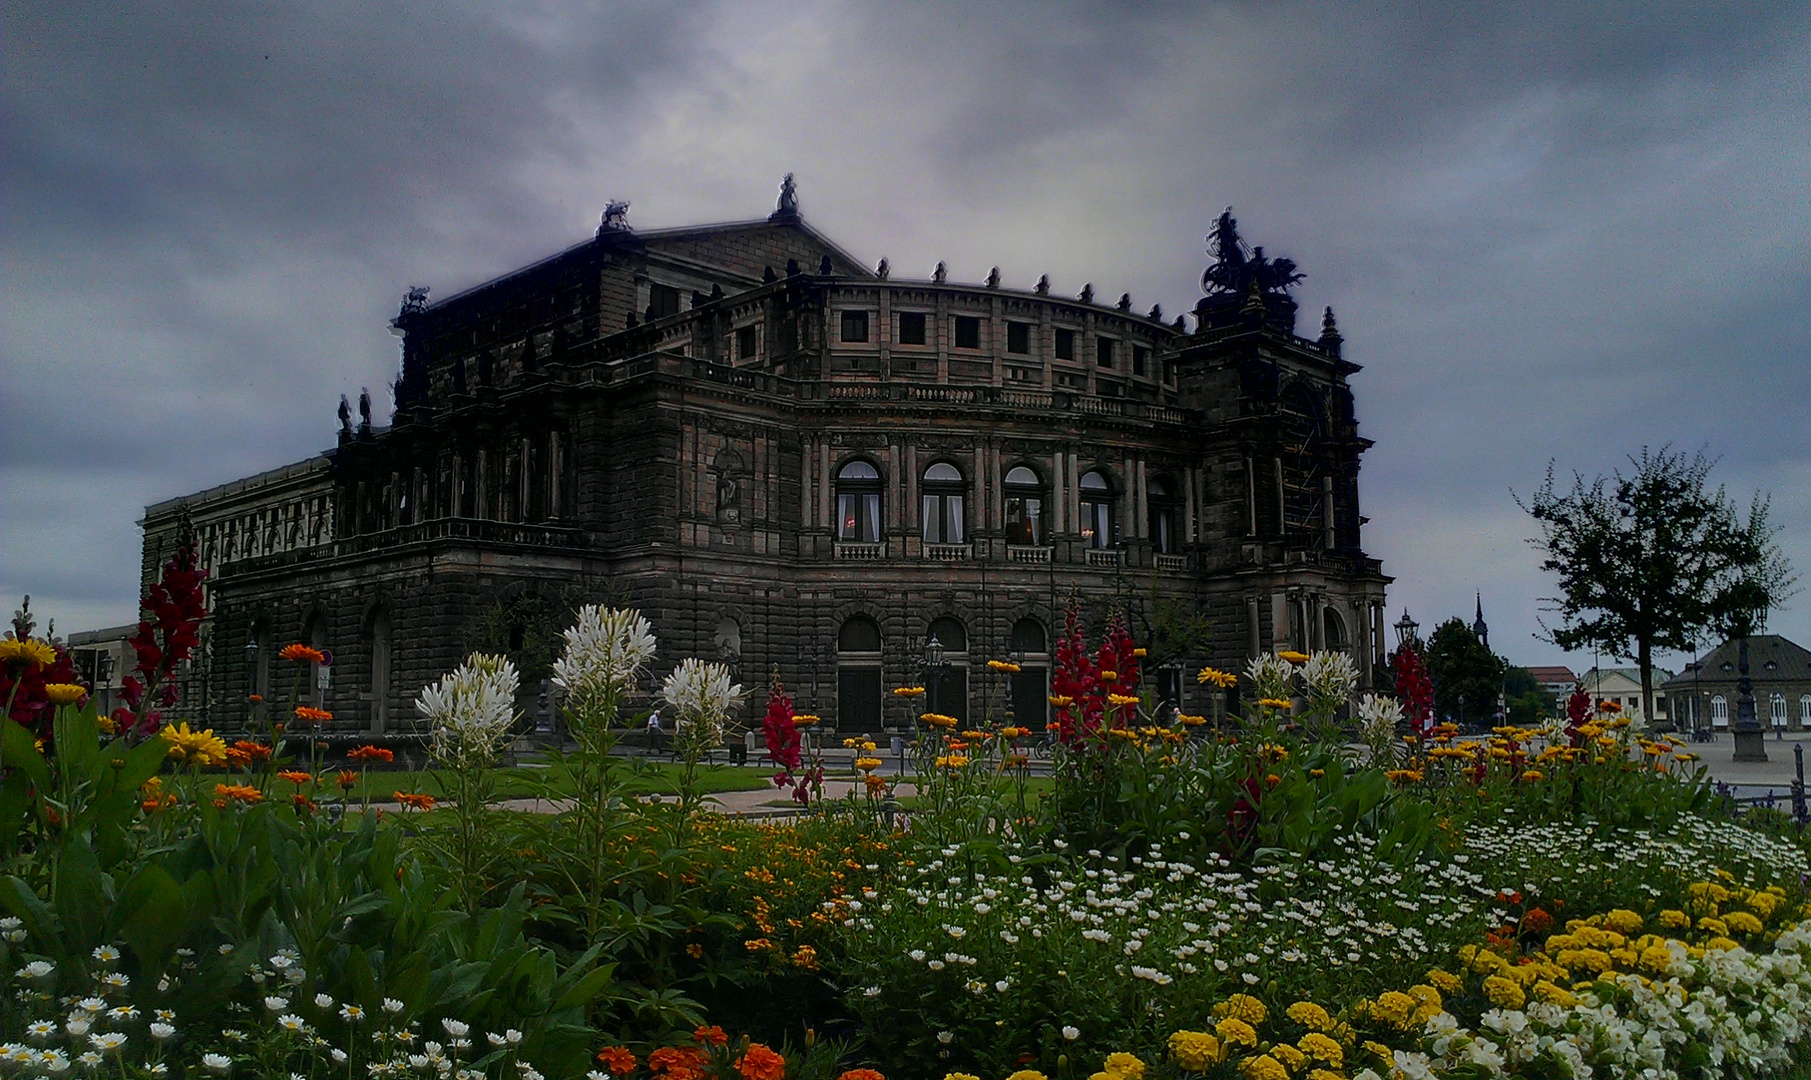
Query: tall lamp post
x,y
1750,610
933,667
1406,629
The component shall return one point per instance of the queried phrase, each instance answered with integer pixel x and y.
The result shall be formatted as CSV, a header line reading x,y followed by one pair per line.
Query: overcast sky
x,y
1551,232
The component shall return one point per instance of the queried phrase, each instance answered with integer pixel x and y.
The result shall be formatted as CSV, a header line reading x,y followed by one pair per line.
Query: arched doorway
x,y
858,675
947,690
1030,687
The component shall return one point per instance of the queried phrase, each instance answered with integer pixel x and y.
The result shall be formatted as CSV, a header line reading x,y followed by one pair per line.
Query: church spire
x,y
1478,626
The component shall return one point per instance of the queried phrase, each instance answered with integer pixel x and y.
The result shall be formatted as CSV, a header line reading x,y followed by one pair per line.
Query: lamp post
x,y
814,656
1406,629
104,673
1751,745
1172,677
933,666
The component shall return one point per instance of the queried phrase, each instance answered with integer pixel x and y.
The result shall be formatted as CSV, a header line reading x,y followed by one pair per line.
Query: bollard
x,y
1799,812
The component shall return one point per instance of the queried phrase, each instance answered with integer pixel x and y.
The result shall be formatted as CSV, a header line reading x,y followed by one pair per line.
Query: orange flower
x,y
347,778
241,792
414,801
710,1036
617,1060
255,699
860,1074
302,803
678,1062
371,753
296,777
759,1062
313,715
303,654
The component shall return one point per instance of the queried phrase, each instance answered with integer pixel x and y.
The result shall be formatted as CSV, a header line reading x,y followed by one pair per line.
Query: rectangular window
x,y
663,300
1169,372
968,332
1065,344
1141,356
911,328
855,326
1018,337
745,343
1103,352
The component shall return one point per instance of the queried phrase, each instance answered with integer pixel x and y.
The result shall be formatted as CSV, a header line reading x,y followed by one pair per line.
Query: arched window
x,y
943,493
1719,711
947,686
1024,507
1804,712
1777,706
1333,629
858,503
858,675
1160,500
261,658
1099,529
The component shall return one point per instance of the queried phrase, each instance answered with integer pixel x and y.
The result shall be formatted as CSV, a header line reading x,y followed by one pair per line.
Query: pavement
x,y
1778,771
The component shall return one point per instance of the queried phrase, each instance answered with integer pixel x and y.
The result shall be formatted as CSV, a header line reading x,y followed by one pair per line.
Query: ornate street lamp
x,y
1750,744
933,666
1405,629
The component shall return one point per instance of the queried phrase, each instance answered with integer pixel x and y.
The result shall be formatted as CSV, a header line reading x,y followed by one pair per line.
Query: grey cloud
x,y
1551,231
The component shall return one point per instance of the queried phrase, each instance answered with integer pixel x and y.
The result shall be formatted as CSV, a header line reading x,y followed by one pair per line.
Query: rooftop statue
x,y
616,217
1237,267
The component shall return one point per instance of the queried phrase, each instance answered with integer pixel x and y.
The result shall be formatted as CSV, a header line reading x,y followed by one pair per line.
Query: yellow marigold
x,y
1721,943
1293,657
1191,719
1504,992
1104,1075
1196,1051
1108,676
1124,1064
1273,703
1394,1007
1763,904
867,764
1741,922
1674,919
1235,1032
27,651
1427,1003
952,761
1656,958
1061,700
938,720
1379,1050
1445,981
199,747
1309,1015
1263,1067
1623,921
1243,1007
1554,994
960,1076
1321,1048
1533,775
1325,1074
63,693
1027,1074
1292,1059
805,719
908,691
1713,925
1004,665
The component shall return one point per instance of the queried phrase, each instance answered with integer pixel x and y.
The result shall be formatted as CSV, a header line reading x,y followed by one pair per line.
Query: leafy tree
x,y
1653,560
1463,668
1528,703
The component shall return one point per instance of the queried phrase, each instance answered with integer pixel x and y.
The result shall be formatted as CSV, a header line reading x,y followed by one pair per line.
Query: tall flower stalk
x,y
701,695
605,650
471,713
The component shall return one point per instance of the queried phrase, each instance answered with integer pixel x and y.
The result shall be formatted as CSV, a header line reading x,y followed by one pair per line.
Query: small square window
x,y
663,300
1103,352
1018,337
968,332
911,328
1065,344
1141,356
855,326
745,343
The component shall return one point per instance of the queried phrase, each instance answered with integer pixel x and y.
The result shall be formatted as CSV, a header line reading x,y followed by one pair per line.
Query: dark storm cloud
x,y
1551,232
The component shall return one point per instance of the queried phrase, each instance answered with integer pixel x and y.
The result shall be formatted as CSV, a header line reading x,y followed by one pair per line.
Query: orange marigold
x,y
310,713
415,801
617,1060
861,1074
759,1062
710,1036
372,753
253,751
296,777
240,792
303,654
678,1062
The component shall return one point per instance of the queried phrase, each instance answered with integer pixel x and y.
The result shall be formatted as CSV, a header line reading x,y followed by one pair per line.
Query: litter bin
x,y
738,753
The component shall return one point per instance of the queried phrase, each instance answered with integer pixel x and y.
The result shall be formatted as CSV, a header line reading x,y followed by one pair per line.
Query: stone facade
x,y
1704,695
798,465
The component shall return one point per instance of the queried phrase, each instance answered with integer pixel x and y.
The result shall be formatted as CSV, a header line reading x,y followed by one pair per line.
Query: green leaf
x,y
19,750
158,917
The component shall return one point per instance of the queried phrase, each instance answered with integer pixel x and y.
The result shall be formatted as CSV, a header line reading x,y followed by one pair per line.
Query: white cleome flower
x,y
702,694
1330,676
604,650
472,710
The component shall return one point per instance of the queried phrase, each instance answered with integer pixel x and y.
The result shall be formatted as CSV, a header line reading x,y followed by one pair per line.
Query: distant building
x,y
103,659
1556,682
1704,694
1622,687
